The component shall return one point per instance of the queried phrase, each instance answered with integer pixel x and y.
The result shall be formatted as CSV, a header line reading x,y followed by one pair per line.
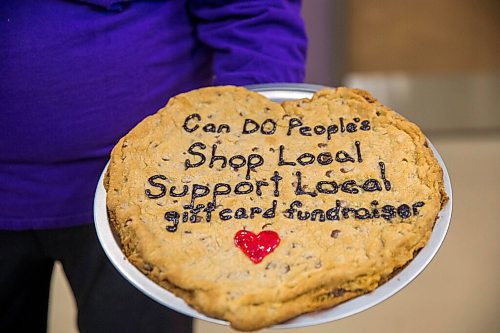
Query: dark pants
x,y
106,301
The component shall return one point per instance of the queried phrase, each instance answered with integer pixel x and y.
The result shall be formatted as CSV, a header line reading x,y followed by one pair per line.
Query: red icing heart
x,y
256,247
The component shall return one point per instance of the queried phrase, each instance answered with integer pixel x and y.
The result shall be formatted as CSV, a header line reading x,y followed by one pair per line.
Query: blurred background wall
x,y
433,61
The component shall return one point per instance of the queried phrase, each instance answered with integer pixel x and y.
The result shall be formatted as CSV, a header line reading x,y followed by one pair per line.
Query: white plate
x,y
276,92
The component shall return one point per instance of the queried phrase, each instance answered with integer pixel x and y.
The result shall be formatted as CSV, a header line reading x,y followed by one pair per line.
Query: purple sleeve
x,y
252,41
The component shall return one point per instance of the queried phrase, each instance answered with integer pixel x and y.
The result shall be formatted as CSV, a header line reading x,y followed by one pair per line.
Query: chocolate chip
x,y
254,149
338,292
270,265
329,173
335,233
322,145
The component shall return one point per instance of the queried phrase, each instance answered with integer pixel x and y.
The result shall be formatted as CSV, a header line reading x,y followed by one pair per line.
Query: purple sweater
x,y
75,76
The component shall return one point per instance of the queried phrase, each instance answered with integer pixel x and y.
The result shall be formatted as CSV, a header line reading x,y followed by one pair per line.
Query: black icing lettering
x,y
254,161
259,184
298,189
240,213
292,123
291,210
351,127
319,129
198,191
194,213
306,159
276,179
342,126
302,216
404,211
375,211
325,158
185,190
281,160
250,126
348,187
223,128
327,187
225,214
209,128
191,151
269,131
332,129
346,211
362,214
163,188
332,214
254,210
387,184
173,217
238,188
365,125
188,119
317,212
234,164
342,157
220,189
358,151
388,212
208,210
416,206
217,158
305,131
271,212
371,185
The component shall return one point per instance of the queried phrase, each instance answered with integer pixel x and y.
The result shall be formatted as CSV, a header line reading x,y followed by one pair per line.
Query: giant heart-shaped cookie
x,y
350,187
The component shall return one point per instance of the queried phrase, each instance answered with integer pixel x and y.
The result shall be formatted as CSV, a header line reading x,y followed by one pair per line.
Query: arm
x,y
252,41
